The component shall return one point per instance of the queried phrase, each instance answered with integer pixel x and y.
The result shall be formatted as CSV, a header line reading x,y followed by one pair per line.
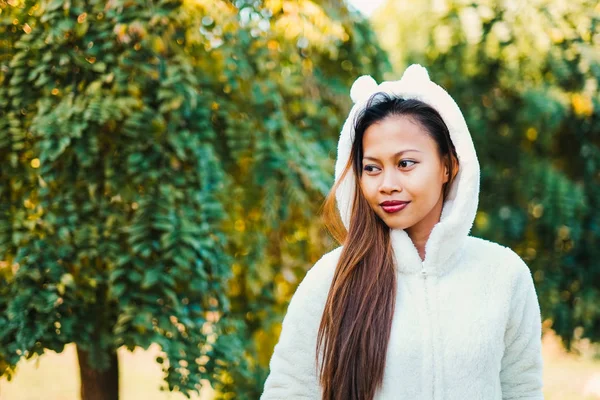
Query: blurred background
x,y
163,164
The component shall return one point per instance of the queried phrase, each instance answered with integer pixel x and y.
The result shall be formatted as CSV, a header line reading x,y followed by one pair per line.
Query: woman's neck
x,y
419,232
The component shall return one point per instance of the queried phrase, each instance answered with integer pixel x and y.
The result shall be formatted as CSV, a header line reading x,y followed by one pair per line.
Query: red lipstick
x,y
392,206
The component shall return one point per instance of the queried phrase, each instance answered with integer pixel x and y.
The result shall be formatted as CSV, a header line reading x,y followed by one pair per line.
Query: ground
x,y
55,376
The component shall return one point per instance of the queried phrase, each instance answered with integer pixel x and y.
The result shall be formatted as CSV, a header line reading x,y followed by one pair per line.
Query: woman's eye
x,y
403,163
370,168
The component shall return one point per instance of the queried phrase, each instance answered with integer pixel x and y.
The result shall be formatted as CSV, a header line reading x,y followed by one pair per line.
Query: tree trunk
x,y
98,385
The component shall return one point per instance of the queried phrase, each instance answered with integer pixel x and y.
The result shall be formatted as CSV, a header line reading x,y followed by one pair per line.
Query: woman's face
x,y
401,166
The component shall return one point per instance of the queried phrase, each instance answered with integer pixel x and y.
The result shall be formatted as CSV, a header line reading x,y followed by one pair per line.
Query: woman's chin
x,y
393,222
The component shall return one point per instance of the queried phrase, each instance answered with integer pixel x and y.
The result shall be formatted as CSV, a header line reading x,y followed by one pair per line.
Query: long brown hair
x,y
357,320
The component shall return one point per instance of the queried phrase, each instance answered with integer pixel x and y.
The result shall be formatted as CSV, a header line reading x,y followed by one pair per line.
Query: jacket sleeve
x,y
522,364
293,372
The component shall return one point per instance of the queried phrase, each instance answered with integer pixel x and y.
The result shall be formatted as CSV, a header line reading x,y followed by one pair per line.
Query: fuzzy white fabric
x,y
467,322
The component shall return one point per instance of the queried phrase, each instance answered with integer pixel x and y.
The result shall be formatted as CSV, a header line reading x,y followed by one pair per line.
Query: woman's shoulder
x,y
311,294
322,271
498,257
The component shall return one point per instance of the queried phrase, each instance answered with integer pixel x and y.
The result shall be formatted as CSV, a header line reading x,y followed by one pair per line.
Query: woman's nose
x,y
390,182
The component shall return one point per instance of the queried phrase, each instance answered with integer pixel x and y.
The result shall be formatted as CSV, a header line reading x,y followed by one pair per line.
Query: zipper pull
x,y
424,273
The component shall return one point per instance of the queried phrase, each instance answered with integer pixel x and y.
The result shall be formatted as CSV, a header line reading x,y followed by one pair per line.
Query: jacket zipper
x,y
428,313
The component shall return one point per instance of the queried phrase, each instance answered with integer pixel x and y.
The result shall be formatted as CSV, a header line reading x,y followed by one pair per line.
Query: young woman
x,y
410,306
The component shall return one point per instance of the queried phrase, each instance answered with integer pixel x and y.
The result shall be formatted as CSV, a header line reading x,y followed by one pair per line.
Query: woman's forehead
x,y
396,134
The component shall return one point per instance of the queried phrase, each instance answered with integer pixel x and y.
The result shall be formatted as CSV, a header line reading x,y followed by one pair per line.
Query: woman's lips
x,y
395,206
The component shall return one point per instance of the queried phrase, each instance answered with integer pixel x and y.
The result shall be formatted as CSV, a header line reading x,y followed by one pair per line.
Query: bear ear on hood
x,y
416,73
362,88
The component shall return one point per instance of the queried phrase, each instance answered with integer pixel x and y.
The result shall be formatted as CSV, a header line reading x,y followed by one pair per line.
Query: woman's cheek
x,y
419,180
368,186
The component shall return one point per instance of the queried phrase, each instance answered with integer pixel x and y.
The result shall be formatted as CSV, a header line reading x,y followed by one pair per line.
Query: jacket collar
x,y
460,207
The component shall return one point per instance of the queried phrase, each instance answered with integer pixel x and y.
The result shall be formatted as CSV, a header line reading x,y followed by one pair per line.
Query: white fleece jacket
x,y
467,321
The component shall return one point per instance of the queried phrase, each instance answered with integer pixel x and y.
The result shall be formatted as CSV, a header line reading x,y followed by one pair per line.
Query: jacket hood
x,y
460,206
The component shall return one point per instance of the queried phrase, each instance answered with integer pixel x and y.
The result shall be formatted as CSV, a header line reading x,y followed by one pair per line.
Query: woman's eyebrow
x,y
394,156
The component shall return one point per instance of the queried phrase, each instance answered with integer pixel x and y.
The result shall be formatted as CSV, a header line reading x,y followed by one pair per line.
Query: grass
x,y
567,376
56,376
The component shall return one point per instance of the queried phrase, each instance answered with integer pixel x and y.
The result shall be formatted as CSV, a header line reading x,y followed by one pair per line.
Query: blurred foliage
x,y
526,76
161,165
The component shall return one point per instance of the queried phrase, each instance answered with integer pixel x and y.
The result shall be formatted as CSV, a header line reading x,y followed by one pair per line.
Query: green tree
x,y
161,165
526,76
